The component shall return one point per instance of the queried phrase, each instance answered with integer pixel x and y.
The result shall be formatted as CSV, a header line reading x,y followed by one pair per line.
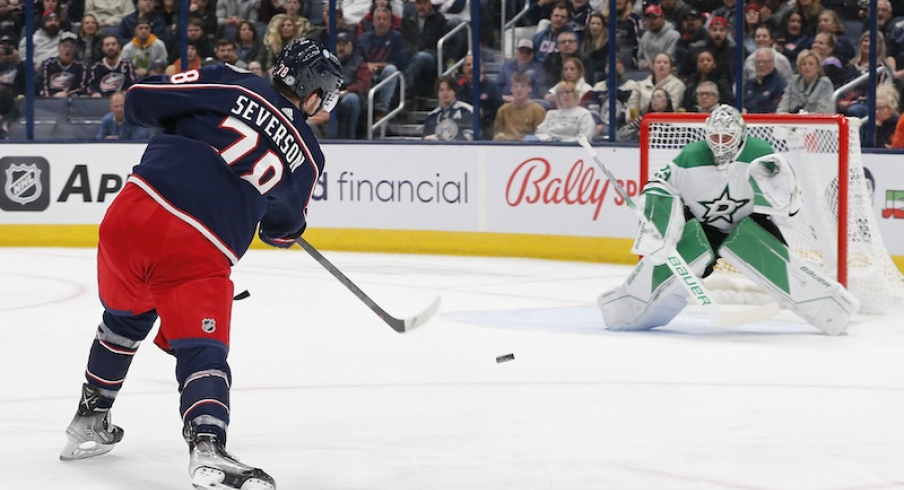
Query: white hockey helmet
x,y
725,133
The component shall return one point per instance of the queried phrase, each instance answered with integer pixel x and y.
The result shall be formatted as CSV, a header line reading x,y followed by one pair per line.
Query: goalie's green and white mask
x,y
725,134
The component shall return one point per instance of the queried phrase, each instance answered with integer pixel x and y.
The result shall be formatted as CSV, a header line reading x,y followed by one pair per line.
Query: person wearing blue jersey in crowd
x,y
453,120
235,155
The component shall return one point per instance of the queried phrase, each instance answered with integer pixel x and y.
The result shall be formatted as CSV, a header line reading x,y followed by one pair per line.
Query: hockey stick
x,y
681,269
400,325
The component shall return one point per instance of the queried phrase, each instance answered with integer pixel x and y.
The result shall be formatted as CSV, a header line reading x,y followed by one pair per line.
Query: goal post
x,y
836,228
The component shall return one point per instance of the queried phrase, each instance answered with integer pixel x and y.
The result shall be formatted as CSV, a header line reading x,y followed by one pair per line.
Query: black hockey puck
x,y
505,358
244,294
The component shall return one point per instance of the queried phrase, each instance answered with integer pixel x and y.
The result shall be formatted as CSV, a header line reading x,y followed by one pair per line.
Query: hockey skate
x,y
91,433
212,468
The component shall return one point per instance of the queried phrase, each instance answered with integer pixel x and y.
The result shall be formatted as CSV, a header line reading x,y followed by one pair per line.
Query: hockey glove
x,y
775,185
659,235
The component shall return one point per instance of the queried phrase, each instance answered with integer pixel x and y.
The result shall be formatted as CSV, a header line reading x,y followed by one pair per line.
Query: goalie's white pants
x,y
651,296
795,285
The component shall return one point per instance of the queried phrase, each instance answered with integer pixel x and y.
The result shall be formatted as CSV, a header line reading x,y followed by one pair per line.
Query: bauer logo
x,y
26,184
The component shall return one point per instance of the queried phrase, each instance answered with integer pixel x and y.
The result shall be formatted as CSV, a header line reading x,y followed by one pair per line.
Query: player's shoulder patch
x,y
696,154
755,148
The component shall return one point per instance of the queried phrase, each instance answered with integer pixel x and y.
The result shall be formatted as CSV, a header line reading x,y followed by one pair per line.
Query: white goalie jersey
x,y
720,198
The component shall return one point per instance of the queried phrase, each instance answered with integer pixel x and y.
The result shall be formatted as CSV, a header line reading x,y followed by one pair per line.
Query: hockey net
x,y
836,229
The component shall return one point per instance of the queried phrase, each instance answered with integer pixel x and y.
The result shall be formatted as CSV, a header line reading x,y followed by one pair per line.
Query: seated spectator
x,y
662,76
791,37
523,62
10,21
144,48
660,101
751,22
322,29
194,61
356,83
628,29
113,126
772,12
45,40
109,12
367,23
580,16
207,14
490,98
854,102
546,41
763,92
384,52
568,121
248,47
718,43
838,73
706,97
280,31
113,73
595,48
599,105
54,7
12,82
231,14
887,115
422,29
520,116
355,10
572,71
198,37
660,37
674,11
707,71
568,48
829,21
63,76
226,53
809,91
255,67
158,67
89,41
144,8
728,12
452,120
763,39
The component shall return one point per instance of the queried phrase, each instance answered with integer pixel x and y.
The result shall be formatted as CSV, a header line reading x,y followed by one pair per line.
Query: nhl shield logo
x,y
23,183
209,325
26,184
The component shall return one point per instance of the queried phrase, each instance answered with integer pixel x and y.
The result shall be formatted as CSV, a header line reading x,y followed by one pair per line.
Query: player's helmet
x,y
305,66
725,133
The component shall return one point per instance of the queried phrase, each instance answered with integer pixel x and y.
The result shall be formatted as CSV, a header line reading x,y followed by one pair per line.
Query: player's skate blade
x,y
212,468
91,432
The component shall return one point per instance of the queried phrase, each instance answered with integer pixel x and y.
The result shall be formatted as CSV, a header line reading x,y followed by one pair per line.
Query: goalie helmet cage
x,y
836,228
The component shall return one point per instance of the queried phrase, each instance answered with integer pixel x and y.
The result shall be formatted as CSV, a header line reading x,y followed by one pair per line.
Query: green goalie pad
x,y
794,283
651,296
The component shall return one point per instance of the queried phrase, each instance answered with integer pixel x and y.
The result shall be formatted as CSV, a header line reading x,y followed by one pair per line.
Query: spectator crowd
x,y
671,55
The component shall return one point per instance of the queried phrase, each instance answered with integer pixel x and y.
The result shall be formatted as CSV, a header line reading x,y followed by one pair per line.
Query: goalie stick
x,y
400,325
680,268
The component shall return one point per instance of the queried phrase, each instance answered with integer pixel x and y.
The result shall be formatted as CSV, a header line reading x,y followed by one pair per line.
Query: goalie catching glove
x,y
659,235
775,185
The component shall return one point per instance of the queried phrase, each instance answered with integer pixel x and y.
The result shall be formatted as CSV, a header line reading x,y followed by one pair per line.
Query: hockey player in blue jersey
x,y
235,155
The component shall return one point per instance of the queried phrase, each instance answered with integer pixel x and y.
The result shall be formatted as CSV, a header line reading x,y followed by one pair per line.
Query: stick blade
x,y
410,323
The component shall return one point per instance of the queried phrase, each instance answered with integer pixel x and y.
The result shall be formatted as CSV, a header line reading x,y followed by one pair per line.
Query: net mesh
x,y
812,148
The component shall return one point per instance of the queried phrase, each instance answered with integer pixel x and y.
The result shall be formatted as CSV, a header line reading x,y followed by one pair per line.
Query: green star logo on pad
x,y
723,207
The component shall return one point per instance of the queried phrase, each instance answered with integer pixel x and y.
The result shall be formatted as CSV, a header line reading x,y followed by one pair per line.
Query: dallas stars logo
x,y
722,207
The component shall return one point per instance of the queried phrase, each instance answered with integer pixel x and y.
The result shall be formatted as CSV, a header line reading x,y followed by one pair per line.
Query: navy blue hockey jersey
x,y
234,153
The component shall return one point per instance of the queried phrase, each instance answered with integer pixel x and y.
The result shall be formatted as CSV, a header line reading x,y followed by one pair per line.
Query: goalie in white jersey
x,y
721,197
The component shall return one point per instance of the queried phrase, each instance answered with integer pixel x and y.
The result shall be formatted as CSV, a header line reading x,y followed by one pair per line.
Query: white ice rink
x,y
327,397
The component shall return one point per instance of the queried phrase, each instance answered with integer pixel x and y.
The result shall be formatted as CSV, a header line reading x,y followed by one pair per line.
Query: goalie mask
x,y
306,67
725,134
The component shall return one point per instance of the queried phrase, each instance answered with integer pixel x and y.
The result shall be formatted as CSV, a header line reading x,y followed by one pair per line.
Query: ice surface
x,y
327,397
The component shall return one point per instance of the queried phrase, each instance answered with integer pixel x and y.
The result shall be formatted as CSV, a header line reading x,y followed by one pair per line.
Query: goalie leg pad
x,y
651,296
796,285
